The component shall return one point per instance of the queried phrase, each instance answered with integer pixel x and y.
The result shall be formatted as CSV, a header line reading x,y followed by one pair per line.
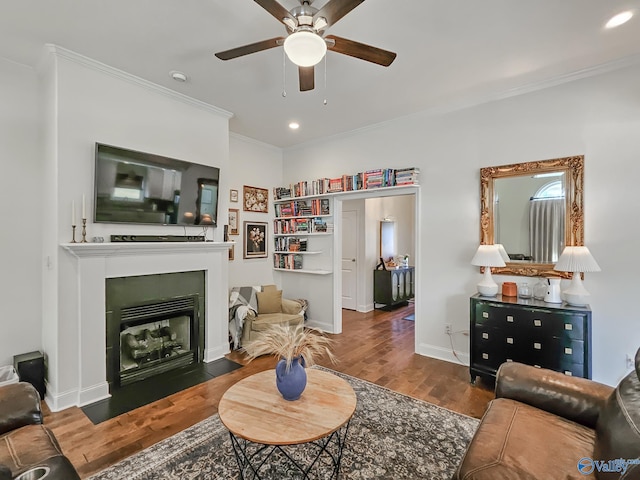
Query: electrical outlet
x,y
630,361
448,329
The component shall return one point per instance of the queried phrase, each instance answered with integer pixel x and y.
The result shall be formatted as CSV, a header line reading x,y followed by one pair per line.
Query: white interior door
x,y
349,258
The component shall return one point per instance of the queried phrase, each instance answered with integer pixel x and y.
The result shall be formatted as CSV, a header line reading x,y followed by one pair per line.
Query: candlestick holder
x,y
73,234
84,231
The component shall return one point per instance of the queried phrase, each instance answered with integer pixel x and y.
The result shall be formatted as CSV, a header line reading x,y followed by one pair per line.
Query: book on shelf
x,y
369,179
303,208
290,244
288,261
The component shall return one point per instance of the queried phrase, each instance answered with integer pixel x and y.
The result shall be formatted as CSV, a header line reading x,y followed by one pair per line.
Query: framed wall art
x,y
255,240
234,217
232,251
255,199
233,195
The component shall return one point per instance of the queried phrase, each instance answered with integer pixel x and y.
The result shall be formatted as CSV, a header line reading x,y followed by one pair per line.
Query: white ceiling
x,y
450,52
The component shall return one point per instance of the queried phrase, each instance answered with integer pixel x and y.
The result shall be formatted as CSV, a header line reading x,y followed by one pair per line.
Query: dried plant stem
x,y
291,342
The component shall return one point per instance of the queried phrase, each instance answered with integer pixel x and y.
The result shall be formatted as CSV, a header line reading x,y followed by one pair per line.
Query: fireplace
x,y
154,325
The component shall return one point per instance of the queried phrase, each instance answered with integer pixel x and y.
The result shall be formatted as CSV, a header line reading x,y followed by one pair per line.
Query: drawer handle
x,y
510,318
568,351
510,340
537,323
537,346
485,314
568,326
485,335
569,373
485,356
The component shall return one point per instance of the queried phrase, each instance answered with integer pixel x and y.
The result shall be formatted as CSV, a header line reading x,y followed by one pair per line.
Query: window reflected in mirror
x,y
534,209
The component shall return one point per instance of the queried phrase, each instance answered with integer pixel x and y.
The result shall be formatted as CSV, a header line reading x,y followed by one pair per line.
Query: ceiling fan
x,y
306,43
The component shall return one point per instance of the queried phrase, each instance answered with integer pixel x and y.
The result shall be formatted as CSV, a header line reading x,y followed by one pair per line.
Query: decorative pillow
x,y
270,302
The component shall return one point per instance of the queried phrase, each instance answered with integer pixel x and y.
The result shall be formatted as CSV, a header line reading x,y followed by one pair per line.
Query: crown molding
x,y
62,52
253,141
474,101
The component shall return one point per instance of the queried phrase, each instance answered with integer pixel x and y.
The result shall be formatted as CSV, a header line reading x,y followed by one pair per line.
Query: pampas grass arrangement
x,y
290,342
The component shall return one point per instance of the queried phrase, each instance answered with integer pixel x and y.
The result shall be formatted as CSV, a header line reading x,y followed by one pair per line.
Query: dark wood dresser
x,y
546,335
394,286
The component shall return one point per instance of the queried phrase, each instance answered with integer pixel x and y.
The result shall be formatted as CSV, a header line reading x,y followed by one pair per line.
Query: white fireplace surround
x,y
95,262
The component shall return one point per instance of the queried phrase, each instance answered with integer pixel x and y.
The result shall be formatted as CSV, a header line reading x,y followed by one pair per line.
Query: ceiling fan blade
x,y
251,48
334,10
275,9
361,51
307,78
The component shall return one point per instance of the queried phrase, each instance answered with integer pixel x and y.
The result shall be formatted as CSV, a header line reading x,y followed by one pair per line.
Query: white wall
x,y
22,221
86,102
254,164
598,117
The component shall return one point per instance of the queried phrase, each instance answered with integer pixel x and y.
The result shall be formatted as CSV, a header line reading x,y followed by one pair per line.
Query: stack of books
x,y
407,176
290,244
375,178
289,261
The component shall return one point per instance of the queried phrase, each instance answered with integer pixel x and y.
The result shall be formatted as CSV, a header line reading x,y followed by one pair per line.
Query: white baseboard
x,y
60,401
441,353
324,326
215,353
365,308
93,394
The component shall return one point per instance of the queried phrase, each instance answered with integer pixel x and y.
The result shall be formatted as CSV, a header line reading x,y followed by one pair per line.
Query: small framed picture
x,y
255,199
234,217
233,195
232,249
255,240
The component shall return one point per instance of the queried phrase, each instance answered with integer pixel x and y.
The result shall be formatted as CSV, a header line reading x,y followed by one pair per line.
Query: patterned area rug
x,y
391,436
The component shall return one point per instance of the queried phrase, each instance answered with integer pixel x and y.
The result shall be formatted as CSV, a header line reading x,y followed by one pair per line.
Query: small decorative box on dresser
x,y
553,336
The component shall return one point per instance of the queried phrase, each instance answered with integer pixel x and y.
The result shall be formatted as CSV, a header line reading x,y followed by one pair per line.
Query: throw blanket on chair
x,y
242,300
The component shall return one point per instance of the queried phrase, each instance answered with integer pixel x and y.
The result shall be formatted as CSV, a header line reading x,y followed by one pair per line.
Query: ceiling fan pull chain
x,y
284,74
325,81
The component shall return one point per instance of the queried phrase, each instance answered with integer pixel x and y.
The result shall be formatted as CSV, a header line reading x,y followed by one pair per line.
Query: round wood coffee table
x,y
276,438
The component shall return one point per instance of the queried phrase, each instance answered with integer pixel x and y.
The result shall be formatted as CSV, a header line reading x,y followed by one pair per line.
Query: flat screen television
x,y
143,188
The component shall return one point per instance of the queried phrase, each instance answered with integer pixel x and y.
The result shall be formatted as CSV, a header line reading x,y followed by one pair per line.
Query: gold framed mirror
x,y
534,209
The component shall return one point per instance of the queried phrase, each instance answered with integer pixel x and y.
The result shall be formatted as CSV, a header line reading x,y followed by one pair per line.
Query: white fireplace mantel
x,y
109,249
81,379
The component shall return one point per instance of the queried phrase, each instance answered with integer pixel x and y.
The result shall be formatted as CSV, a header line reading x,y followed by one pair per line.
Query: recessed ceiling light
x,y
619,19
178,76
294,125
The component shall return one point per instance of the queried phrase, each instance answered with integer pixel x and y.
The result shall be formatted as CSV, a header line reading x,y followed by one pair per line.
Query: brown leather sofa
x,y
25,443
546,425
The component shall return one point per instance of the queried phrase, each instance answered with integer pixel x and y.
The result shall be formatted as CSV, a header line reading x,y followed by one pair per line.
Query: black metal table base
x,y
319,459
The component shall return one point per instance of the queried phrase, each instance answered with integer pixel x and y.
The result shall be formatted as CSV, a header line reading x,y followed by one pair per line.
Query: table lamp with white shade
x,y
576,260
488,256
503,252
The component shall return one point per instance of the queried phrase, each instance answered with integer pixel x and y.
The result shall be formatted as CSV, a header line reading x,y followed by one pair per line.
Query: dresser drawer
x,y
556,337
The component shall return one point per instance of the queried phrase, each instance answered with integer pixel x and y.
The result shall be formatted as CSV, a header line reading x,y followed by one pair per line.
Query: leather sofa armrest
x,y
19,406
578,399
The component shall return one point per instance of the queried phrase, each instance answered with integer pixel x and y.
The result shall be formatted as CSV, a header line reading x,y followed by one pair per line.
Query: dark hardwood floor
x,y
376,346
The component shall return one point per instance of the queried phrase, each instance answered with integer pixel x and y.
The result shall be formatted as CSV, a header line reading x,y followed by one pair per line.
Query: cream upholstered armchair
x,y
254,309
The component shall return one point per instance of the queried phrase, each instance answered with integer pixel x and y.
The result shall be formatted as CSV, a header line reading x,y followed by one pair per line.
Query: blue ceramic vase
x,y
291,382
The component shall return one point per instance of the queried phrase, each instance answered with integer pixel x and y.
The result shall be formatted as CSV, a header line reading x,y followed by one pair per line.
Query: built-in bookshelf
x,y
369,179
302,228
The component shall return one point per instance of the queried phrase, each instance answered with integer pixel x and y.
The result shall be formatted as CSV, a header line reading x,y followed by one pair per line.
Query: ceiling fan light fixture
x,y
320,23
305,48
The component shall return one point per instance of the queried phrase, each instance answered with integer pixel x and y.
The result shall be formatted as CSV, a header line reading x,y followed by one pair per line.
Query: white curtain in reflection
x,y
546,229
